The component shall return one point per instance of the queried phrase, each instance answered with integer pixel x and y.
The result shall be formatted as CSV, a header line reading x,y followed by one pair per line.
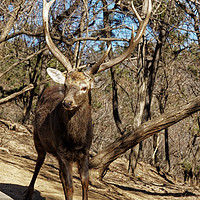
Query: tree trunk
x,y
43,72
153,71
167,150
115,104
141,81
103,159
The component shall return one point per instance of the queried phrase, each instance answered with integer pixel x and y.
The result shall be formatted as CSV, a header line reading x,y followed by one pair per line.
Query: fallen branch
x,y
103,159
12,96
25,89
14,126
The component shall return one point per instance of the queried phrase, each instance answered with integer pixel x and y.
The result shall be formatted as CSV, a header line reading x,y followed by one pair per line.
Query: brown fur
x,y
65,132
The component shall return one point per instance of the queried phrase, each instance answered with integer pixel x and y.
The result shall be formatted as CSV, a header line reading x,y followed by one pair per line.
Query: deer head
x,y
77,87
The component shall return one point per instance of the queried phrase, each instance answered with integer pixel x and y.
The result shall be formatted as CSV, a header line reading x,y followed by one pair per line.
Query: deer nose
x,y
67,104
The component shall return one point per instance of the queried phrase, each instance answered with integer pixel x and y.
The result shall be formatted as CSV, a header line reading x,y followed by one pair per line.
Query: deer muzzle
x,y
68,104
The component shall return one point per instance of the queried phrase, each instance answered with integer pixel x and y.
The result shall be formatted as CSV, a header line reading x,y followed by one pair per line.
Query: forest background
x,y
161,76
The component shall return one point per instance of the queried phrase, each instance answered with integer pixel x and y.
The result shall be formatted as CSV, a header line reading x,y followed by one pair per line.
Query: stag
x,y
63,123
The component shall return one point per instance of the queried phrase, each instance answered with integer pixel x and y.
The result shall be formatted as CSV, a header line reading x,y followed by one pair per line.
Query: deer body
x,y
54,123
63,127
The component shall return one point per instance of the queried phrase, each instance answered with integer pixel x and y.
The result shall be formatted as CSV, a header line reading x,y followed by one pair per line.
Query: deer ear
x,y
56,75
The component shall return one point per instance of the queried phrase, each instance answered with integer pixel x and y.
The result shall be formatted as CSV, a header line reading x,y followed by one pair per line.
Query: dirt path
x,y
16,172
17,161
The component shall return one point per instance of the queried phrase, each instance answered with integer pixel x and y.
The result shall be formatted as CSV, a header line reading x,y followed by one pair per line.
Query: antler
x,y
133,42
96,66
54,50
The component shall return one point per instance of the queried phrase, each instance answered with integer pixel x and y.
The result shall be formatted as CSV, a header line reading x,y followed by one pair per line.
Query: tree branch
x,y
12,96
21,32
17,63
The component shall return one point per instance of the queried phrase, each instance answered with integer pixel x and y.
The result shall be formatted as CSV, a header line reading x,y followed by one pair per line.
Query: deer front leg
x,y
66,178
40,161
84,174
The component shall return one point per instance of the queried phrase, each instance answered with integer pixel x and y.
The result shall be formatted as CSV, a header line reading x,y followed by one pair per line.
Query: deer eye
x,y
83,88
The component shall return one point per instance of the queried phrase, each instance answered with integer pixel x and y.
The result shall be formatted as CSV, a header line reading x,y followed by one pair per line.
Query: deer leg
x,y
66,178
84,174
40,161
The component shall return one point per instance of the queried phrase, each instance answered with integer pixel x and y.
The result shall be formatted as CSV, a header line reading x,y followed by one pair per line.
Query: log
x,y
12,96
103,159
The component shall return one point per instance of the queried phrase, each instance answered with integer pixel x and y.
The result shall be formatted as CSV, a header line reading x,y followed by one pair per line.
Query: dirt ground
x,y
17,161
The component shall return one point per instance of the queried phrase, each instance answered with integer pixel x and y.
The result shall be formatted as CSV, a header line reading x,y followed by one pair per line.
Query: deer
x,y
63,122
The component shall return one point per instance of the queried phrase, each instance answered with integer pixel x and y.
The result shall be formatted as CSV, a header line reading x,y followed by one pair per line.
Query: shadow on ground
x,y
17,192
164,194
